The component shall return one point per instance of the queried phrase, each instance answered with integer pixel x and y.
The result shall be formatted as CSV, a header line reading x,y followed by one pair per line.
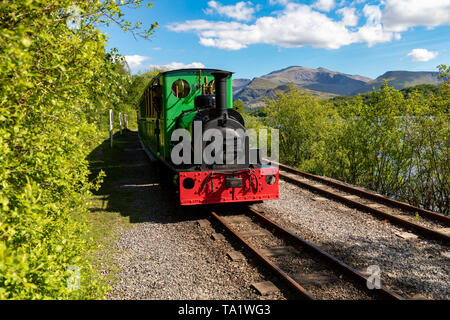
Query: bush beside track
x,y
389,141
57,84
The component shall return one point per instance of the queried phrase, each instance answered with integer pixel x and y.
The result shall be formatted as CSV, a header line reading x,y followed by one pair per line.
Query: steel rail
x,y
302,292
422,230
369,195
291,236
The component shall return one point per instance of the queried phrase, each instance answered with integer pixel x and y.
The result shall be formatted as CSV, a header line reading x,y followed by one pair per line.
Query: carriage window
x,y
147,104
156,101
180,88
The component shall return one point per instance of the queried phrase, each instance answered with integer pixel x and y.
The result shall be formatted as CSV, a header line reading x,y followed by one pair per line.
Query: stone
x,y
265,288
217,236
406,235
235,256
203,223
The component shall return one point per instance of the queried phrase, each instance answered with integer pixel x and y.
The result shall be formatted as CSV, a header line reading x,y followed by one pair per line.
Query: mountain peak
x,y
405,73
323,82
319,79
400,79
284,69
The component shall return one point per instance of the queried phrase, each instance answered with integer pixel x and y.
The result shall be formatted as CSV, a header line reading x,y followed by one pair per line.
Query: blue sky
x,y
253,38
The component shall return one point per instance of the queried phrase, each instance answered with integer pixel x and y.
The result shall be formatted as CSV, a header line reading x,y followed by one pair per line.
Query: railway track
x,y
430,225
306,269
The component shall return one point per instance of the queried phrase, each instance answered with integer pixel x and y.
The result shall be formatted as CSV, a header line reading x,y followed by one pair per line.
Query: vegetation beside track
x,y
57,83
394,142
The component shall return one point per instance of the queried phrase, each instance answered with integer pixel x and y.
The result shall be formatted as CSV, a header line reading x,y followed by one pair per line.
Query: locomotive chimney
x,y
220,79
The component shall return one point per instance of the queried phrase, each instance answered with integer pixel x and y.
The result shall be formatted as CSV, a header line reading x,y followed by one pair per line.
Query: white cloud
x,y
324,5
349,17
373,34
135,61
282,2
373,31
240,11
225,44
422,55
373,14
296,26
177,65
399,15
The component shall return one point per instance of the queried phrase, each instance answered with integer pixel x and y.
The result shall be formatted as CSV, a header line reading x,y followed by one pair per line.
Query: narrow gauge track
x,y
295,264
376,204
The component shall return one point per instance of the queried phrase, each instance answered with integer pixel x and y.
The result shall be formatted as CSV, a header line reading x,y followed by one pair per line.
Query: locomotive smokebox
x,y
220,79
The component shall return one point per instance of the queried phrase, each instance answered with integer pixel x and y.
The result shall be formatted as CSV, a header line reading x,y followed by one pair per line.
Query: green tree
x,y
239,106
57,83
304,123
444,71
396,145
388,141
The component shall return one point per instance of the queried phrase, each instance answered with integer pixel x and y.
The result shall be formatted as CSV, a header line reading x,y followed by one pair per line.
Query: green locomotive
x,y
185,99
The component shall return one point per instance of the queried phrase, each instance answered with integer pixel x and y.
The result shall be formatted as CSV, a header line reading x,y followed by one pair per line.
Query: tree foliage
x,y
393,142
304,122
57,83
239,106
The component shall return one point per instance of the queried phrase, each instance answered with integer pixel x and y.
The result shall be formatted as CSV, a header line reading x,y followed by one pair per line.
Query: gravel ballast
x,y
409,267
179,260
163,252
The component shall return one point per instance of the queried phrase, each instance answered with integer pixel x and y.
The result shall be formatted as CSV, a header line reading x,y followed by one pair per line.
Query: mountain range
x,y
323,83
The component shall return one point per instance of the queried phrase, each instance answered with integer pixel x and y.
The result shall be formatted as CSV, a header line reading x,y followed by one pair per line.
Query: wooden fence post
x,y
120,122
111,126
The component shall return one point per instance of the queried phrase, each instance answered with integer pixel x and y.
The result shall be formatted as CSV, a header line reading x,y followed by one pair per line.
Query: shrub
x,y
56,86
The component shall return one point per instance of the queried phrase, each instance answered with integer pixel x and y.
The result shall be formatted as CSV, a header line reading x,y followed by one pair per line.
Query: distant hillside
x,y
239,83
319,82
319,79
401,79
323,83
255,93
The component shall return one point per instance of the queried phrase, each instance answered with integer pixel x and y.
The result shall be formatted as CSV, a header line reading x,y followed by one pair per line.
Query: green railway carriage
x,y
189,99
167,96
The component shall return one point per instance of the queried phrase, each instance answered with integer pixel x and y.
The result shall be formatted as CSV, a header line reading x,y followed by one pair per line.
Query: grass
x,y
106,219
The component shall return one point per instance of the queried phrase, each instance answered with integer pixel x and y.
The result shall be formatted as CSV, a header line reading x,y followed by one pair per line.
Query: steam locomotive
x,y
185,113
